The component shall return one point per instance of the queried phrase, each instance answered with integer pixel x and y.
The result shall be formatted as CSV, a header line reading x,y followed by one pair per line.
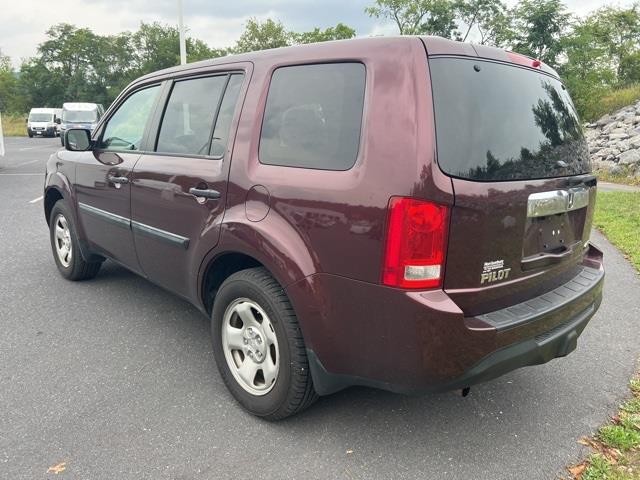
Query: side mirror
x,y
58,120
77,140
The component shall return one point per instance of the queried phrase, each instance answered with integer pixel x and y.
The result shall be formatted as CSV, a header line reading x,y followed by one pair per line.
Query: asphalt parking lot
x,y
115,377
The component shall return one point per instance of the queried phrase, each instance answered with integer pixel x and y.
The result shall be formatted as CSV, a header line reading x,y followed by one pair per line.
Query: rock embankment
x,y
614,141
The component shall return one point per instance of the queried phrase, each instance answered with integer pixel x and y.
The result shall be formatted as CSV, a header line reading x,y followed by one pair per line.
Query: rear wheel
x,y
64,243
259,347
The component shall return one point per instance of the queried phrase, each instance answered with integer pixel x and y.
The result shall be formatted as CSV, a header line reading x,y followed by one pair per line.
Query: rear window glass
x,y
313,116
500,122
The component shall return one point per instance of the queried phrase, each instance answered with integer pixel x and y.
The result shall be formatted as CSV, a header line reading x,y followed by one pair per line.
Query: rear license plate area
x,y
555,221
553,234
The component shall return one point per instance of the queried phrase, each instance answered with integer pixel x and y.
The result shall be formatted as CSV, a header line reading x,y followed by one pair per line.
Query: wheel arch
x,y
51,196
218,269
57,189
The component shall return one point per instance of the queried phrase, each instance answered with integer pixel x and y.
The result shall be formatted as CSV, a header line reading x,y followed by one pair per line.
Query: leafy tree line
x,y
75,64
595,55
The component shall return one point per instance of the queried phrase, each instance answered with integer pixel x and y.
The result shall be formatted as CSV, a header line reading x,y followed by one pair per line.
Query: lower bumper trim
x,y
558,342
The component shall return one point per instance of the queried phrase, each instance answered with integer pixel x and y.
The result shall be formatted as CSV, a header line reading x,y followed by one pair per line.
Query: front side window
x,y
189,116
313,116
125,128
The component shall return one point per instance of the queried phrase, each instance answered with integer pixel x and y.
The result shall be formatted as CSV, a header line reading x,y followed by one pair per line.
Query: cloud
x,y
217,23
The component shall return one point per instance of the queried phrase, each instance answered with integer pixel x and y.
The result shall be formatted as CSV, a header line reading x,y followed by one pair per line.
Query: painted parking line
x,y
36,199
28,163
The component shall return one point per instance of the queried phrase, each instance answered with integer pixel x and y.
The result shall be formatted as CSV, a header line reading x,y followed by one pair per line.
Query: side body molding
x,y
148,230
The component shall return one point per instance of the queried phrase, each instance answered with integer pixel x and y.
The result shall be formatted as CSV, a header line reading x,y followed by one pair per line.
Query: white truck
x,y
43,122
80,115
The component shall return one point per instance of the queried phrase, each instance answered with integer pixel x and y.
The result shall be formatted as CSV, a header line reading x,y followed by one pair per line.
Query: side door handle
x,y
118,180
204,193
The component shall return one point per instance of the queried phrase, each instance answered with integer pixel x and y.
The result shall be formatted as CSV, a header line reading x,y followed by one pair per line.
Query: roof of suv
x,y
434,46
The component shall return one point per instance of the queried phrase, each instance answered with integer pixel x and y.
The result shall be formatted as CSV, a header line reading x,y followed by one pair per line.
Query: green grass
x,y
624,437
626,176
600,468
14,125
618,217
609,103
617,445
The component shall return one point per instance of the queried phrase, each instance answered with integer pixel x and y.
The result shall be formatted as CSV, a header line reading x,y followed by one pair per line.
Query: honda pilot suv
x,y
410,213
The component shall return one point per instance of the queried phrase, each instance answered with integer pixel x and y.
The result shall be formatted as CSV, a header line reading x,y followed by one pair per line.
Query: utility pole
x,y
183,45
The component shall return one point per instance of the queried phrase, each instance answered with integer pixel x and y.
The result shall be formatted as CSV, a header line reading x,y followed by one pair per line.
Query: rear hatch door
x,y
511,141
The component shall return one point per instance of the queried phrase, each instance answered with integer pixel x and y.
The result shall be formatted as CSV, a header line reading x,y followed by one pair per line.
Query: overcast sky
x,y
218,22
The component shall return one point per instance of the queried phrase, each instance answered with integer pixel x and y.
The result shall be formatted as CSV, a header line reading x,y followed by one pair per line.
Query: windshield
x,y
79,116
501,122
41,117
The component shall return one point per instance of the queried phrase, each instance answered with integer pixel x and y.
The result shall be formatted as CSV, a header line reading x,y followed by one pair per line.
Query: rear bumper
x,y
420,342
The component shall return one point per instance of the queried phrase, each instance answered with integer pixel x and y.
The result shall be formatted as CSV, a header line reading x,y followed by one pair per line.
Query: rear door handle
x,y
118,180
205,193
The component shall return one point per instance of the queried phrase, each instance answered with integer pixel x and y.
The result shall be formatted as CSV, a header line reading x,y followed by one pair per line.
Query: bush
x,y
14,125
609,102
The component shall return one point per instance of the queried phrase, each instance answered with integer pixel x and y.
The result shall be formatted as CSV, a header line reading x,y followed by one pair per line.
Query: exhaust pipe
x,y
463,392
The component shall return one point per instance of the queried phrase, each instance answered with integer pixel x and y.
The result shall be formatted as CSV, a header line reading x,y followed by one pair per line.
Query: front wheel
x,y
259,347
65,246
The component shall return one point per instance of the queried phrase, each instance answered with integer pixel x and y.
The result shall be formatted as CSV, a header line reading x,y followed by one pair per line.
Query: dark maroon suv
x,y
411,213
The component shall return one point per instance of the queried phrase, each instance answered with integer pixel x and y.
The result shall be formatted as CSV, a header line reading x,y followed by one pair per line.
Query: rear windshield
x,y
41,117
80,116
501,122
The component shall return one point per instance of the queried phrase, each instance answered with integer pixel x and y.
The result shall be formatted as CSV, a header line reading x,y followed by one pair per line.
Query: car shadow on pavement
x,y
350,407
355,433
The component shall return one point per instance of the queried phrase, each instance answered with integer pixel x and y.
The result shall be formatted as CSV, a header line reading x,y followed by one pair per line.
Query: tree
x,y
490,18
11,100
262,36
157,46
441,20
416,17
539,26
339,32
618,31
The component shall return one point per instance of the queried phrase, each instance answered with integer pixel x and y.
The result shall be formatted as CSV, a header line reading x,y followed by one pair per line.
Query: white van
x,y
80,115
42,122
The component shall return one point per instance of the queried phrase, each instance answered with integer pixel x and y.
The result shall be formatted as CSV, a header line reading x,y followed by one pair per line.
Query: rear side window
x,y
500,122
189,115
313,116
225,116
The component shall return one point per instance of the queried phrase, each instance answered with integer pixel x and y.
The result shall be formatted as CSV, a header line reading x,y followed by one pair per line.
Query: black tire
x,y
30,134
77,268
293,390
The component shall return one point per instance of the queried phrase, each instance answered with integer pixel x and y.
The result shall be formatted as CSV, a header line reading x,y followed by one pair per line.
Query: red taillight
x,y
416,244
